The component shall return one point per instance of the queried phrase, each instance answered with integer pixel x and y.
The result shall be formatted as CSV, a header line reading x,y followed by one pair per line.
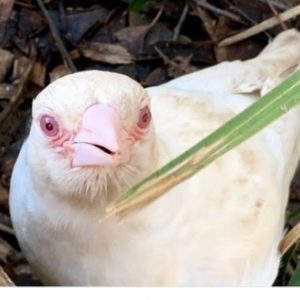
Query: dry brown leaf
x,y
78,23
137,19
58,72
4,279
7,90
20,65
181,66
107,53
156,77
5,9
38,74
6,59
30,21
133,37
5,250
3,196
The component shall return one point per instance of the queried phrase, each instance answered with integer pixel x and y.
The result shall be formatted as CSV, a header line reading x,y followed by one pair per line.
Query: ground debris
x,y
108,53
6,59
161,41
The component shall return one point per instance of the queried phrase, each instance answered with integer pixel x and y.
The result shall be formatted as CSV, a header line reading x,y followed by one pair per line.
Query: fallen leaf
x,y
6,91
3,195
137,19
129,70
133,37
79,23
5,10
181,66
31,21
4,279
58,72
5,250
242,50
201,52
107,53
20,65
156,77
38,74
6,59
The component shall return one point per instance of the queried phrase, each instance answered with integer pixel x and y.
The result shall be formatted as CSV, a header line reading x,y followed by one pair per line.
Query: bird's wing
x,y
241,198
228,88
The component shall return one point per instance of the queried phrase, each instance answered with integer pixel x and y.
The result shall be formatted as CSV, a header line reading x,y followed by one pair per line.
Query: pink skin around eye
x,y
144,118
143,123
50,127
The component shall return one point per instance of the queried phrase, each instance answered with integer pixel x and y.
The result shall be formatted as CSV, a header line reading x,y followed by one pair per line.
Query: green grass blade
x,y
240,128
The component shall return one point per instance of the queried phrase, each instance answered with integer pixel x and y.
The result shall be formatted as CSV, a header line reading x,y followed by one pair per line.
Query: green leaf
x,y
256,117
295,279
137,5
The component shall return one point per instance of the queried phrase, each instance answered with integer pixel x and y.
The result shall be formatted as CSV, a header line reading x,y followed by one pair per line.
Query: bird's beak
x,y
99,139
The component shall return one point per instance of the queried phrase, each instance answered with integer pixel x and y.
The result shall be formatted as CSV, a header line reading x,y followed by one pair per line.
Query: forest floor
x,y
150,41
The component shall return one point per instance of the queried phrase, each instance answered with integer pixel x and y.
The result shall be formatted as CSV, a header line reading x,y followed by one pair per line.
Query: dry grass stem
x,y
269,23
290,239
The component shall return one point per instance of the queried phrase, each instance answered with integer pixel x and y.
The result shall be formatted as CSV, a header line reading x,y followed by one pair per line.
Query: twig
x,y
149,27
181,20
26,5
157,17
269,23
166,59
60,45
249,19
207,22
4,279
217,10
281,6
275,12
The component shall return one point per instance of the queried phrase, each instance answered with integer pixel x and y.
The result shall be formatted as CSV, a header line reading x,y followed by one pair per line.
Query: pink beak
x,y
98,140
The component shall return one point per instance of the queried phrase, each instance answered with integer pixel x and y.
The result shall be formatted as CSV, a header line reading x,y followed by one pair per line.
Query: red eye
x,y
49,125
145,117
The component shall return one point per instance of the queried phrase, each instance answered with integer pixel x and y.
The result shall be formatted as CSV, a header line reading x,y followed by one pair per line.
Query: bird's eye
x,y
49,125
144,118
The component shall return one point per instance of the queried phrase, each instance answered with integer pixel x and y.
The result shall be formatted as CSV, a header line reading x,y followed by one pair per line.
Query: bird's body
x,y
221,227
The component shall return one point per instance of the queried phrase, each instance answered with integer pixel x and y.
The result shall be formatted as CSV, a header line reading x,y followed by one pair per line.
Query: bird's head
x,y
91,133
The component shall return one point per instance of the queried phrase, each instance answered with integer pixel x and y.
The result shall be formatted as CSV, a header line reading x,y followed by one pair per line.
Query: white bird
x,y
92,137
